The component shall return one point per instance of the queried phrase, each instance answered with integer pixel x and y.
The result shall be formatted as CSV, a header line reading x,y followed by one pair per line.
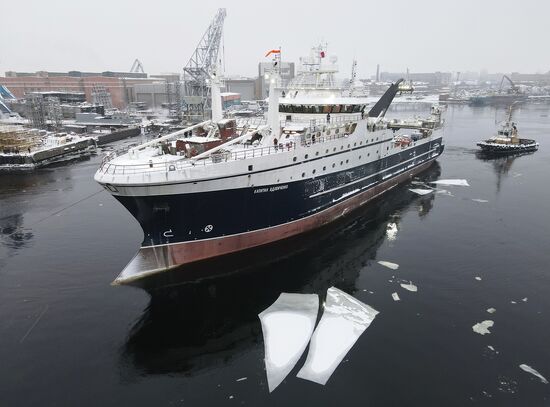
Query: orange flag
x,y
273,51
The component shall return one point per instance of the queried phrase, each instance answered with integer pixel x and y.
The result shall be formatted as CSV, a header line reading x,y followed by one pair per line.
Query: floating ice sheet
x,y
391,231
421,191
287,326
454,182
482,328
410,287
442,191
491,310
344,320
395,296
389,264
480,200
529,369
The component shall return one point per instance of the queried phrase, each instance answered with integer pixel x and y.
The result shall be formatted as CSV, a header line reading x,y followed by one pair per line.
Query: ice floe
x,y
482,328
344,320
410,287
492,348
395,296
391,231
389,264
421,191
524,299
453,182
480,200
529,369
491,310
478,278
287,326
241,379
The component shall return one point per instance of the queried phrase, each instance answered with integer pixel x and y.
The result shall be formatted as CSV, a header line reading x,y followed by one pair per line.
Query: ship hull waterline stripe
x,y
183,253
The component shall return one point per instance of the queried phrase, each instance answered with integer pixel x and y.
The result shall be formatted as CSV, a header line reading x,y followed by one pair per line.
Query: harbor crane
x,y
514,87
137,66
198,71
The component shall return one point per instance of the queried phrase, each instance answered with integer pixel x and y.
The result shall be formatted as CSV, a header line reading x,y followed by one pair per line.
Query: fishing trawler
x,y
221,186
507,140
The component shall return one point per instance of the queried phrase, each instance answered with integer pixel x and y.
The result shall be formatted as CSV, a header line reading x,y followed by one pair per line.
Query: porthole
x,y
317,153
294,159
368,154
359,157
376,138
341,147
334,149
341,163
387,148
349,146
354,144
333,165
324,168
313,172
347,161
303,174
360,143
326,152
306,156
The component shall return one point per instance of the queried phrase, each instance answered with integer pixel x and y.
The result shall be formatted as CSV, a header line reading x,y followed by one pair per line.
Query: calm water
x,y
69,338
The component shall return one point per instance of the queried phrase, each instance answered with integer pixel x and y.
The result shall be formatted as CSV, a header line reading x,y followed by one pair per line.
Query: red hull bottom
x,y
156,259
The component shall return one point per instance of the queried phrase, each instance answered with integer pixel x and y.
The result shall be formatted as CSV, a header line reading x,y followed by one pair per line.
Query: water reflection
x,y
501,164
12,233
191,328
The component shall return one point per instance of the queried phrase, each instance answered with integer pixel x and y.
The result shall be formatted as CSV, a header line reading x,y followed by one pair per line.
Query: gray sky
x,y
424,35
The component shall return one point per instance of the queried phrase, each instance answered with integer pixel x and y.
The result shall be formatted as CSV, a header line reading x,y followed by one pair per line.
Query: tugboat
x,y
507,140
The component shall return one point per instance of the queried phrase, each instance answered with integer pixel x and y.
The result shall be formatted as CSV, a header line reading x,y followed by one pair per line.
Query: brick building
x,y
119,85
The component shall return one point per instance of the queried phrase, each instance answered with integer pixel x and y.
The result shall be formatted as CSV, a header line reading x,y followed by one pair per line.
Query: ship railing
x,y
251,121
248,152
348,118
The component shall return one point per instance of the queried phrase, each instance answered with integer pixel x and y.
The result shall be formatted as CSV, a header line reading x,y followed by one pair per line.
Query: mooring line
x,y
57,212
35,323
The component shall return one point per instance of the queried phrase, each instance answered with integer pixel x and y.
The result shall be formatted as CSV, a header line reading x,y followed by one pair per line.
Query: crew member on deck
x,y
328,117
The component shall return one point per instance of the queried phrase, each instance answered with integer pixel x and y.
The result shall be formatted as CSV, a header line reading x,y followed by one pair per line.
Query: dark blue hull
x,y
168,219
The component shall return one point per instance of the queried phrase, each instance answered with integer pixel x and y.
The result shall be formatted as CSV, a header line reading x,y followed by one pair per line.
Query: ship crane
x,y
198,71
